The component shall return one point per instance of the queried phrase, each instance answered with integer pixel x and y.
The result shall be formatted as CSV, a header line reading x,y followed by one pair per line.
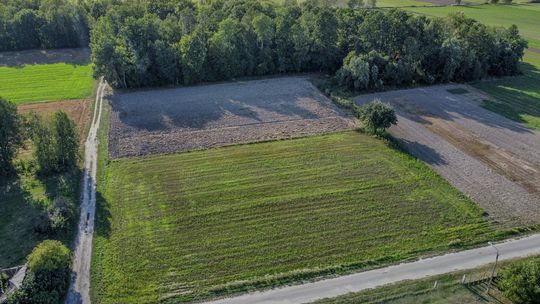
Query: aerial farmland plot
x,y
205,223
191,118
45,75
492,159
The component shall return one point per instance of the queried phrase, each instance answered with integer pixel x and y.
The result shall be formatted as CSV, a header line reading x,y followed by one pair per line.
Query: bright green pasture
x,y
46,82
194,225
525,16
517,98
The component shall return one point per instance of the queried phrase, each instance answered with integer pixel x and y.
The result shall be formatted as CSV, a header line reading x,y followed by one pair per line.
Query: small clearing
x,y
492,159
200,117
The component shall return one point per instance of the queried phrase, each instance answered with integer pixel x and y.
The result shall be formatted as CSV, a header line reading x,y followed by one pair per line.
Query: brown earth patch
x,y
78,110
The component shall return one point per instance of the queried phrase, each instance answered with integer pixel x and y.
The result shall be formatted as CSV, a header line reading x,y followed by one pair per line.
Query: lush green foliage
x,y
48,275
10,135
377,116
141,44
198,224
46,82
520,282
30,24
56,143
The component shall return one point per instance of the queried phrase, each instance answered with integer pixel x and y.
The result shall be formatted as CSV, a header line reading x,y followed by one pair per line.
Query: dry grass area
x,y
492,159
200,117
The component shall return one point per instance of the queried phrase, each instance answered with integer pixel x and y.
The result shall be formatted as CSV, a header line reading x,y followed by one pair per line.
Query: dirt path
x,y
492,159
79,289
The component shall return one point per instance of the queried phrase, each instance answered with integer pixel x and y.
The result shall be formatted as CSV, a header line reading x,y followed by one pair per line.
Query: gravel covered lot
x,y
492,159
183,119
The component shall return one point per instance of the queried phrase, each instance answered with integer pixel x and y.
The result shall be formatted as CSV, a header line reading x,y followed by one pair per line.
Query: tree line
x,y
170,42
48,24
154,43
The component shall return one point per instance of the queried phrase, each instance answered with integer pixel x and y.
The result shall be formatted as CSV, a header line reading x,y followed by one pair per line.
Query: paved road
x,y
329,288
79,289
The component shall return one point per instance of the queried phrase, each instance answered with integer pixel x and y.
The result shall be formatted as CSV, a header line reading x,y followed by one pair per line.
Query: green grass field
x,y
195,225
46,82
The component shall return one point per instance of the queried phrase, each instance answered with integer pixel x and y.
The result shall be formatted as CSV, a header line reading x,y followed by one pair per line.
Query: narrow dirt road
x,y
310,292
79,289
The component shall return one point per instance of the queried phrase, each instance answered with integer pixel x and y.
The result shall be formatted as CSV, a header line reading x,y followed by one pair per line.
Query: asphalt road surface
x,y
334,287
79,288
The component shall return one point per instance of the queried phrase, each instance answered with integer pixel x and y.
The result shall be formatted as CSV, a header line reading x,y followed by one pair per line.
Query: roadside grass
x,y
195,225
46,82
525,15
517,98
448,290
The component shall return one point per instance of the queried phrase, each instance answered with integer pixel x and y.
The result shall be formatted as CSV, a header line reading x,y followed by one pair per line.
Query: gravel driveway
x,y
183,119
493,160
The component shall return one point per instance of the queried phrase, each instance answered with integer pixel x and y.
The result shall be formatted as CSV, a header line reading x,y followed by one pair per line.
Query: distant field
x,y
45,82
525,16
179,227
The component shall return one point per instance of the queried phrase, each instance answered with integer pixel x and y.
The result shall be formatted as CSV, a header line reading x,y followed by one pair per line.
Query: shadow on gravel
x,y
422,152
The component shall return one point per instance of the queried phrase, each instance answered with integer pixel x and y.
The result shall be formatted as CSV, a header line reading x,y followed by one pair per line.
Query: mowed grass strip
x,y
517,98
181,227
46,82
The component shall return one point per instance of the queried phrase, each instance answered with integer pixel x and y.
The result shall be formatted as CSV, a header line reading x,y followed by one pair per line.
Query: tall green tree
x,y
66,140
11,135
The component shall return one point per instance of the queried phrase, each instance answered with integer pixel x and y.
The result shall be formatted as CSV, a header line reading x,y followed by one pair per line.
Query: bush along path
x,y
79,289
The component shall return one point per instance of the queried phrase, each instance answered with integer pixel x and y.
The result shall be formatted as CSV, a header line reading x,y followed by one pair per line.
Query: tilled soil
x,y
184,119
493,160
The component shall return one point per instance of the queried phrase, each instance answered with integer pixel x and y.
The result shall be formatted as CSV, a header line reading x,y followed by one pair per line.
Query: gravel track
x,y
493,160
184,119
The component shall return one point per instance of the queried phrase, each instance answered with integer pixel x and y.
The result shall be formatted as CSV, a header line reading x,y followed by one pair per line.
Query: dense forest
x,y
30,24
169,42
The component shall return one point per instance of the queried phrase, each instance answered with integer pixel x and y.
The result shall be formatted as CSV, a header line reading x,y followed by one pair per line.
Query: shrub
x,y
520,282
55,219
48,275
377,116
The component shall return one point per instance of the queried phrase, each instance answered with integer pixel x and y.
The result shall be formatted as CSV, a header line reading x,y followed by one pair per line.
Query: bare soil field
x,y
21,58
78,110
493,160
191,118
